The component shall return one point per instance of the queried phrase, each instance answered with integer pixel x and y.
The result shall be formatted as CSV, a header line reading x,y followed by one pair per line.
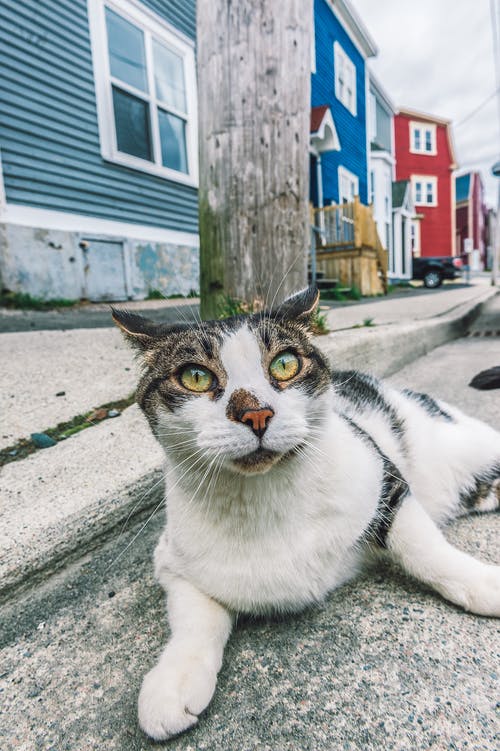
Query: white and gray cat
x,y
283,478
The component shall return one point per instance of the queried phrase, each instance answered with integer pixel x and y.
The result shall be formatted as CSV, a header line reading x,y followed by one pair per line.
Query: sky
x,y
437,56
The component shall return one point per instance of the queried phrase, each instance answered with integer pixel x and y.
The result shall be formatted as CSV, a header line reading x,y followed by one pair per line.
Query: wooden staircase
x,y
348,248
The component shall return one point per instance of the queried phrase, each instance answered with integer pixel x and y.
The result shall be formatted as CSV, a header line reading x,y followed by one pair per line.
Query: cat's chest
x,y
273,562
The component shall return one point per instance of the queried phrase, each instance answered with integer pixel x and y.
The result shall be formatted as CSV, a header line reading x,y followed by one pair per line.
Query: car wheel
x,y
433,279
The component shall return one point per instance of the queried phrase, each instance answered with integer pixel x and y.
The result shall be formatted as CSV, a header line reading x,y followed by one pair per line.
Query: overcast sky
x,y
437,56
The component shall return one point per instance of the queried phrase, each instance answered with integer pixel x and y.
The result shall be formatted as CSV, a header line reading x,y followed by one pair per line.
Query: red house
x,y
471,218
425,157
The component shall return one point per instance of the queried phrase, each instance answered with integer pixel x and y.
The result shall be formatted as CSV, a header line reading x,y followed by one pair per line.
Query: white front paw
x,y
479,592
174,693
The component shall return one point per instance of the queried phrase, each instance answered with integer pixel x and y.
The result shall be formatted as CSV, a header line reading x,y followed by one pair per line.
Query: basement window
x,y
145,89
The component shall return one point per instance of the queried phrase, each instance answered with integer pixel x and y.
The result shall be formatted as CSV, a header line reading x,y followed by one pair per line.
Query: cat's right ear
x,y
140,332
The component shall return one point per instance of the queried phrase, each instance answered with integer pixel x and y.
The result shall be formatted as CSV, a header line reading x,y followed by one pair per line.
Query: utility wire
x,y
478,108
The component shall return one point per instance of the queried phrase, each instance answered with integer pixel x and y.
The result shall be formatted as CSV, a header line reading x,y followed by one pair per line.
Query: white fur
x,y
283,539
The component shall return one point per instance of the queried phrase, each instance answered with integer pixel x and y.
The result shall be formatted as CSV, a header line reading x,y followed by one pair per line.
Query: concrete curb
x,y
383,350
61,503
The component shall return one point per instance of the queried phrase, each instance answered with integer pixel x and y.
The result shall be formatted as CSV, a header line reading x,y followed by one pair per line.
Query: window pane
x,y
430,193
132,125
428,140
417,140
169,77
418,192
126,51
173,141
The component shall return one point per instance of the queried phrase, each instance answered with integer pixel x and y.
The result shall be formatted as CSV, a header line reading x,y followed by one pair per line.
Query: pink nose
x,y
257,420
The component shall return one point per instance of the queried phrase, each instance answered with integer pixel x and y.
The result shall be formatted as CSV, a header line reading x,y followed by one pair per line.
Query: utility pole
x,y
495,27
254,69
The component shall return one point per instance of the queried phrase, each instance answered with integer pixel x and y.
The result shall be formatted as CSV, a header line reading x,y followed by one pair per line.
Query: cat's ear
x,y
140,332
299,307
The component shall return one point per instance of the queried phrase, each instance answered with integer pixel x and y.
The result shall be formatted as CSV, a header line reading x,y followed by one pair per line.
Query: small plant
x,y
368,322
24,301
355,293
231,306
155,294
319,323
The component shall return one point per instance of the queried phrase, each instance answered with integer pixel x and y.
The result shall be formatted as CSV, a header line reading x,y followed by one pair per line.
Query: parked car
x,y
434,269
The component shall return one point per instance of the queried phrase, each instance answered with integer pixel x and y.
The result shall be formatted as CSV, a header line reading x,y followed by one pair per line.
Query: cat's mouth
x,y
259,461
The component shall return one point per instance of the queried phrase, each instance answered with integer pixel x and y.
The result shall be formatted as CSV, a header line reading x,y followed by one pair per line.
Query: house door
x,y
104,270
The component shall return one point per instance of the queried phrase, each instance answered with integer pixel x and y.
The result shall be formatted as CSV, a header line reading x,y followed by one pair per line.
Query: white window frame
x,y
424,128
372,99
345,66
343,175
151,25
425,181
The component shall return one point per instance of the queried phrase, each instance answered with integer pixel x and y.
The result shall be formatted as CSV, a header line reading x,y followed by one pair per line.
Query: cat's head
x,y
246,390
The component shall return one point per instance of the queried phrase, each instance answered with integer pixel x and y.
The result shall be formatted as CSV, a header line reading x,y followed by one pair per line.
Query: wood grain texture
x,y
254,103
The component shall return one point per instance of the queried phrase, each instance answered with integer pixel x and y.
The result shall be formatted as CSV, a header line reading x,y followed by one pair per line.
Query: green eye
x,y
195,378
284,366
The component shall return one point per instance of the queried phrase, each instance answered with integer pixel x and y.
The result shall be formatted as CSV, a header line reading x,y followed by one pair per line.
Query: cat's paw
x,y
478,593
174,693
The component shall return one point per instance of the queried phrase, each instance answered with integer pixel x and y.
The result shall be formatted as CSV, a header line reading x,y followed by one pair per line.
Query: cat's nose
x,y
257,420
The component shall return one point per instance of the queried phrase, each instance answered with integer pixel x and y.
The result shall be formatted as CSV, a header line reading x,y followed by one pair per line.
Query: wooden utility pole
x,y
254,69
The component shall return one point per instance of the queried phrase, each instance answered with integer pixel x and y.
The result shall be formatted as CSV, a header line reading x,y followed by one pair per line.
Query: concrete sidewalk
x,y
383,664
95,366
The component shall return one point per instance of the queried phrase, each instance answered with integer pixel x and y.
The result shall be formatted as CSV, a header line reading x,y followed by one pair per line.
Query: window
x,y
345,79
373,116
372,186
145,87
422,138
424,190
348,185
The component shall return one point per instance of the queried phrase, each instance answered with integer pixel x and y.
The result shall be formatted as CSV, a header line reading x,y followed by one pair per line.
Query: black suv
x,y
432,270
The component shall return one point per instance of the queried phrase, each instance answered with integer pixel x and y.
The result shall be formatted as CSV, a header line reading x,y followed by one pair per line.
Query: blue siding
x,y
351,130
49,134
462,187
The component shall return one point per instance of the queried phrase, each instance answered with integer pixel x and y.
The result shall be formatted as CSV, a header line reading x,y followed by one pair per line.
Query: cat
x,y
283,478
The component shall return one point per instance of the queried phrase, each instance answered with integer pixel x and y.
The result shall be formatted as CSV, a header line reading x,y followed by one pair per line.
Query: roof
x,y
462,187
381,93
423,116
354,26
317,115
399,189
323,135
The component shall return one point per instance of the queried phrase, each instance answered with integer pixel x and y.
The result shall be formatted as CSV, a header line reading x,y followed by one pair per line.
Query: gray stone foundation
x,y
51,264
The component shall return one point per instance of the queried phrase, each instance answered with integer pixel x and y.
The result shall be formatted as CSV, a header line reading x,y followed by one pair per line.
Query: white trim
x,y
27,216
341,56
345,174
326,137
425,179
152,24
354,28
423,127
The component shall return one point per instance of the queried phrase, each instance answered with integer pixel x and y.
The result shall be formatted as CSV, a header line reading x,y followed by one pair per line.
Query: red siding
x,y
436,228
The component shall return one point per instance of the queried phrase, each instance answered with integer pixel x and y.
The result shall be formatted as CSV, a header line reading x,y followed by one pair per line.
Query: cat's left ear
x,y
142,333
300,307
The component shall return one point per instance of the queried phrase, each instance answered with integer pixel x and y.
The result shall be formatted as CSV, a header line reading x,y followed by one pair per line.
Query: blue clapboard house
x,y
98,141
339,142
98,144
